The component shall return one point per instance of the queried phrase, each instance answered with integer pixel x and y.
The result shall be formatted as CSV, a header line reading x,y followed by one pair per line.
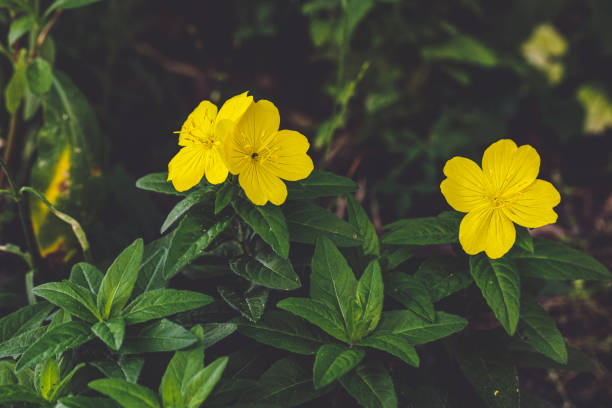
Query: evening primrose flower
x,y
202,137
504,191
262,155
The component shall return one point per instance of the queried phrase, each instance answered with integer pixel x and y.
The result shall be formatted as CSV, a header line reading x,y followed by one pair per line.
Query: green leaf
x,y
68,4
419,331
19,27
75,299
249,304
59,390
193,198
267,269
332,362
118,283
394,255
20,343
269,223
19,393
499,283
23,320
443,276
318,313
157,182
162,335
56,340
360,220
224,196
462,48
307,222
151,273
541,332
192,236
320,184
395,344
424,231
215,332
524,239
87,276
284,331
110,332
524,355
78,401
40,76
163,302
16,88
370,293
332,280
285,384
202,383
494,378
371,385
553,260
49,379
125,393
412,293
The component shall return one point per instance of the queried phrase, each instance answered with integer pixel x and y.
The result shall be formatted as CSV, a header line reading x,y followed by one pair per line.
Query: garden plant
x,y
297,303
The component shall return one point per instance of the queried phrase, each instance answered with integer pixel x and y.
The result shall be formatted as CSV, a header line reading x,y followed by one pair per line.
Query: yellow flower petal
x,y
486,229
232,110
186,168
261,186
508,168
199,124
215,169
289,160
258,126
464,186
533,207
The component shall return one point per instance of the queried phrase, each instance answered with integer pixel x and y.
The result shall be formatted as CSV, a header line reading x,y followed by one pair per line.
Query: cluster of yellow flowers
x,y
242,138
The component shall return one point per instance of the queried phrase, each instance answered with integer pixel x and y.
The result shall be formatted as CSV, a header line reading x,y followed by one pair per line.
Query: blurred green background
x,y
385,90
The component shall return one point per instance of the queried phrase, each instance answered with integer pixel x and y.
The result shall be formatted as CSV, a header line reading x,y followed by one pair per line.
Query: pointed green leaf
x,y
16,88
370,293
424,231
418,330
117,285
59,390
40,76
332,362
215,332
318,313
157,182
249,304
395,344
49,379
499,283
360,220
162,335
161,303
307,222
269,223
87,276
332,280
553,260
68,4
203,382
224,196
395,255
412,293
192,236
16,345
19,27
125,393
78,401
320,184
151,273
23,320
371,385
443,276
524,239
266,269
56,340
110,332
75,299
282,330
193,198
18,393
541,332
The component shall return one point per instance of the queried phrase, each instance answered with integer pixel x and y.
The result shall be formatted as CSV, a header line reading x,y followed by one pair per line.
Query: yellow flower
x,y
504,191
202,137
262,155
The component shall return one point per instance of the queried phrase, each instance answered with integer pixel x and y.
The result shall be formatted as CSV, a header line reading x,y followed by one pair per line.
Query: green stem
x,y
29,282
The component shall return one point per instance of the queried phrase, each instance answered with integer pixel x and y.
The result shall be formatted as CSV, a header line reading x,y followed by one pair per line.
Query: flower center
x,y
499,202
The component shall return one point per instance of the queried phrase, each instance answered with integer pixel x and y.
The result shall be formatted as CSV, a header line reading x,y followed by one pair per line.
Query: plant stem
x,y
29,283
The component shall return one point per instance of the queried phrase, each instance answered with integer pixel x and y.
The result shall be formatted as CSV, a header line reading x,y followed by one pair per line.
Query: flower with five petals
x,y
503,191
